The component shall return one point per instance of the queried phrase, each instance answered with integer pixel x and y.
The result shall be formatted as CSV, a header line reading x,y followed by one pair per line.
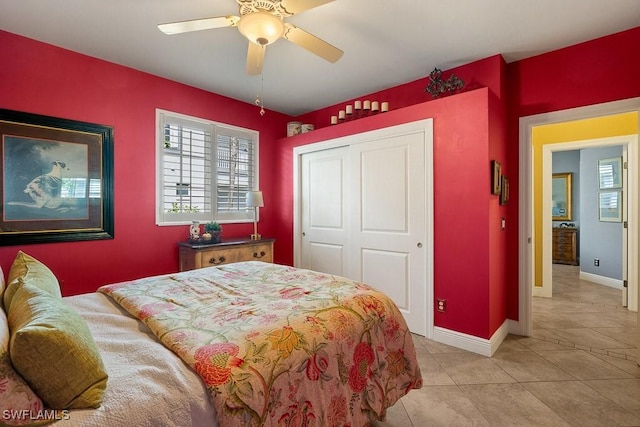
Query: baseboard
x,y
601,280
514,327
485,347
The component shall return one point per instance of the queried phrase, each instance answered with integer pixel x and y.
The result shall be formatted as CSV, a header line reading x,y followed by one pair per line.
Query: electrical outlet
x,y
596,262
441,305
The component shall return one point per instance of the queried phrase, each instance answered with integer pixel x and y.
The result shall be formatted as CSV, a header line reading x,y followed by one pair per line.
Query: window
x,y
204,170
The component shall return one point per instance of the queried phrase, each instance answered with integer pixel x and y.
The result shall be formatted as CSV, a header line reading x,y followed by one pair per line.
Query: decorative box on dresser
x,y
199,255
564,245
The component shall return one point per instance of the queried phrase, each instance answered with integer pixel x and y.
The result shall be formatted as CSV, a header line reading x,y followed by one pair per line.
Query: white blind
x,y
205,170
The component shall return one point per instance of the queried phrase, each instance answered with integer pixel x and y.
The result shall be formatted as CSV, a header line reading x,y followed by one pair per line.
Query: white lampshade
x,y
254,199
261,28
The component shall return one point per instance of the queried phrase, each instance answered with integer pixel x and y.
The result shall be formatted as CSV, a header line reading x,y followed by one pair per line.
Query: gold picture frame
x,y
496,178
561,190
504,191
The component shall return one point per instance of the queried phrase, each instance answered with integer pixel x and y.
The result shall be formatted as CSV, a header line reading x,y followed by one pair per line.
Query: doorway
x,y
591,230
531,242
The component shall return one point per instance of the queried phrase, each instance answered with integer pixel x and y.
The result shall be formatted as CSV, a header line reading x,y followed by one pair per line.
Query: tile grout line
x,y
586,348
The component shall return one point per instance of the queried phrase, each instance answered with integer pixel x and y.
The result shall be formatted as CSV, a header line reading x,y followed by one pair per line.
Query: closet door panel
x,y
388,221
324,216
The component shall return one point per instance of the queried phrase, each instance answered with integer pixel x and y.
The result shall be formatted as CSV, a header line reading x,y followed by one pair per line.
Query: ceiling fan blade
x,y
297,6
312,43
255,59
199,24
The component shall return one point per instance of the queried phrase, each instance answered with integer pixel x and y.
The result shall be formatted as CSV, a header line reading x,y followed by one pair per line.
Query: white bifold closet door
x,y
363,217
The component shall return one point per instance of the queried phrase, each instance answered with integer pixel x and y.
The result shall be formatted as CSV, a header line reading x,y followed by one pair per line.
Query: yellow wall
x,y
578,130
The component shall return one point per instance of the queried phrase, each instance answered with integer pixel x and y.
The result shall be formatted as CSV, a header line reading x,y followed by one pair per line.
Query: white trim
x,y
601,280
525,203
483,346
425,126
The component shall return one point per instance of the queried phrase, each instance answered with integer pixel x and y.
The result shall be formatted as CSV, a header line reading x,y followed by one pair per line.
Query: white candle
x,y
341,115
334,120
375,106
358,105
367,105
385,107
349,109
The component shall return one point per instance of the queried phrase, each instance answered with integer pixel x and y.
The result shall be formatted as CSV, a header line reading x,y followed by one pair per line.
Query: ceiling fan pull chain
x,y
258,101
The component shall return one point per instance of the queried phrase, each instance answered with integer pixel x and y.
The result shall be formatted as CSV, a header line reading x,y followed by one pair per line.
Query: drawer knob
x,y
259,255
218,261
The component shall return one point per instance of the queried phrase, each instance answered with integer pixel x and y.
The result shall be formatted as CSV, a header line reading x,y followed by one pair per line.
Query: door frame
x,y
546,289
424,125
524,325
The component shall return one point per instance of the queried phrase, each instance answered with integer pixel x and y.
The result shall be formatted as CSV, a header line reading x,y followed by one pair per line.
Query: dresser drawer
x,y
194,256
209,258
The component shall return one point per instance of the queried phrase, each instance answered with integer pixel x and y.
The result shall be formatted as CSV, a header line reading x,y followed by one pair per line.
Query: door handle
x,y
419,244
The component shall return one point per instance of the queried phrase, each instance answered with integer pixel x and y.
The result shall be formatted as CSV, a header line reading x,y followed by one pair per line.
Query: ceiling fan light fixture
x,y
261,27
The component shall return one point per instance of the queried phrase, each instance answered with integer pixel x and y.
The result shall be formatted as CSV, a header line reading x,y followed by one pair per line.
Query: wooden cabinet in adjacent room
x,y
193,256
565,241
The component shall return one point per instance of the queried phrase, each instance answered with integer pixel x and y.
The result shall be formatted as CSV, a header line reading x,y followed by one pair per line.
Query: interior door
x,y
324,211
388,221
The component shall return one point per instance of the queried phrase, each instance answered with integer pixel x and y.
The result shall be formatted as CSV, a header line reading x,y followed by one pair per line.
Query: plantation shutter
x,y
204,170
235,173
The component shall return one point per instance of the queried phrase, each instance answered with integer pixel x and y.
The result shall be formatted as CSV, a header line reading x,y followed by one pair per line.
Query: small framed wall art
x,y
496,179
610,205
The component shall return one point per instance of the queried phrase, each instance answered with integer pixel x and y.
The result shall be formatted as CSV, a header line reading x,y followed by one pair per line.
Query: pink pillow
x,y
16,397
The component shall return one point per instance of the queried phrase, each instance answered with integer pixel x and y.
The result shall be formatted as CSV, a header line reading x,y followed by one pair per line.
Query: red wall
x,y
43,79
594,72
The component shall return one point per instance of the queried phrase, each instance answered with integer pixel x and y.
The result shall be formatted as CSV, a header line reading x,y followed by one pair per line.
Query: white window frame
x,y
210,211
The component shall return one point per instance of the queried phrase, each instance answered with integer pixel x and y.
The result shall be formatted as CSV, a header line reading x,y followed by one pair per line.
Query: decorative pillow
x,y
15,394
1,283
26,268
51,347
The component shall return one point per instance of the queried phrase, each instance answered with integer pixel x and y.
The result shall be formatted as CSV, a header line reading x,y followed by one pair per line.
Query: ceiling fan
x,y
262,23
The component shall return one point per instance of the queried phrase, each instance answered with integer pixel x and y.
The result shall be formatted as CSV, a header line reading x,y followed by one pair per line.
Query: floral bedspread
x,y
280,346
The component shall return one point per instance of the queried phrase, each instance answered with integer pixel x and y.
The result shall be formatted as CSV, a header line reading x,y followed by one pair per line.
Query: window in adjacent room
x,y
204,170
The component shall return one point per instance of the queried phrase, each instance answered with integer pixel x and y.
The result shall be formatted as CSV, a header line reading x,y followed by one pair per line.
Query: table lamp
x,y
255,201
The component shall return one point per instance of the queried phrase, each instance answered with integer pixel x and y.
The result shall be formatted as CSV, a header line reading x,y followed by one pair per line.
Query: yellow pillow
x,y
51,347
26,268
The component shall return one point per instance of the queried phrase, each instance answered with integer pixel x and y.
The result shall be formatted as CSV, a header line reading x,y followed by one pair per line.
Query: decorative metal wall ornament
x,y
437,86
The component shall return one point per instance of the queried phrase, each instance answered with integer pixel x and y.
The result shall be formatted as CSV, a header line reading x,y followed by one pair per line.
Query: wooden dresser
x,y
193,255
564,245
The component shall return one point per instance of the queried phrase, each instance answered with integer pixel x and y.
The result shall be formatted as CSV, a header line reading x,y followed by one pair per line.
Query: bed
x,y
244,344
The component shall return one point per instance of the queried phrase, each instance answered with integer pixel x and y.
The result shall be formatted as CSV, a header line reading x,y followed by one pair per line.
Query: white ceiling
x,y
386,42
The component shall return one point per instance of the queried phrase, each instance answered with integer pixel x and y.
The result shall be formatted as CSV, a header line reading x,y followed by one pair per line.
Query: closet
x,y
364,210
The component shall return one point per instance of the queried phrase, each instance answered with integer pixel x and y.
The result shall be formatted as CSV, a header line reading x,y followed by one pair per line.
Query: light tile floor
x,y
578,369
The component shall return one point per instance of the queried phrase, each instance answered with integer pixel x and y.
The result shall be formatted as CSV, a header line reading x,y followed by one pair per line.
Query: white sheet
x,y
148,384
